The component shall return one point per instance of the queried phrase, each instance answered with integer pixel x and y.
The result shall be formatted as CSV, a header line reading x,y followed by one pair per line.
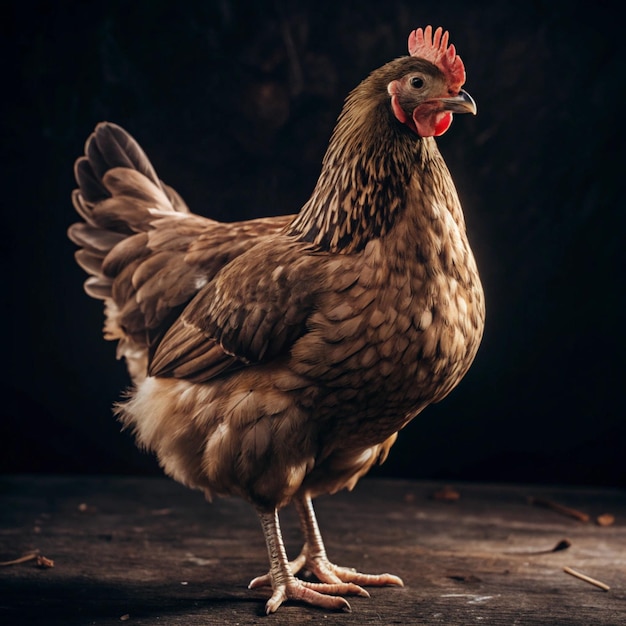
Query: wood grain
x,y
147,551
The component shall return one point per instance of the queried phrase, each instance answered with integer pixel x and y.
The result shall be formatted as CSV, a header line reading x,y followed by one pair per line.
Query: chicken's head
x,y
426,96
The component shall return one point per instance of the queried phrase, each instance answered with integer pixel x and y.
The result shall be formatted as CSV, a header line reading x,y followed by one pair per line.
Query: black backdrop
x,y
235,102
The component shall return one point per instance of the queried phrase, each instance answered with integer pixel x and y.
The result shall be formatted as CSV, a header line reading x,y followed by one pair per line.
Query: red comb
x,y
435,48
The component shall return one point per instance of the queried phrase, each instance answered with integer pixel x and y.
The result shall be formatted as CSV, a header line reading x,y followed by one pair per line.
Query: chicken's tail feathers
x,y
114,176
145,253
119,195
119,200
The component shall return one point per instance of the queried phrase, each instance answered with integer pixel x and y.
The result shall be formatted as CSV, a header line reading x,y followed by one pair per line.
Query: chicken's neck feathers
x,y
369,176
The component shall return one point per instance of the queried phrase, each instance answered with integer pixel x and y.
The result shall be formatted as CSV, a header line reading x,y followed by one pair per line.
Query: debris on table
x,y
40,560
559,508
564,544
44,562
587,579
606,519
446,494
22,559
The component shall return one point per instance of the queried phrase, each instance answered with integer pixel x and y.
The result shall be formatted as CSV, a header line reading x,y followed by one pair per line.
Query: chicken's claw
x,y
284,584
323,594
333,578
313,556
295,589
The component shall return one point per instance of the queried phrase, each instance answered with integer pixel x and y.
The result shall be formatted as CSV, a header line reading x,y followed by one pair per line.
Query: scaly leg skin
x,y
313,558
317,562
285,586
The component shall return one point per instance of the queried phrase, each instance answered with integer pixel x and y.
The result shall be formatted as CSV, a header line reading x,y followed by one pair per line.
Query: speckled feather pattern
x,y
283,355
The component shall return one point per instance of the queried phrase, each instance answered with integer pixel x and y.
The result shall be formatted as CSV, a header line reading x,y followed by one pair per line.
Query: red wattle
x,y
443,123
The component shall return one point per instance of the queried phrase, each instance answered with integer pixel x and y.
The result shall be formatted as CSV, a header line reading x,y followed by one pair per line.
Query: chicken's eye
x,y
417,82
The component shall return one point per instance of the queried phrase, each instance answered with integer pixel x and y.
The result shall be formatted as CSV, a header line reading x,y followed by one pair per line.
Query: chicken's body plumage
x,y
276,359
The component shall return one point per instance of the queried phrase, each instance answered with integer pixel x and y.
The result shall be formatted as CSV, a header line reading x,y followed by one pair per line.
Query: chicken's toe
x,y
327,571
316,594
285,586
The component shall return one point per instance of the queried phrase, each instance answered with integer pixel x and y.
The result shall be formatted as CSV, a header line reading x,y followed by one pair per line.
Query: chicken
x,y
276,359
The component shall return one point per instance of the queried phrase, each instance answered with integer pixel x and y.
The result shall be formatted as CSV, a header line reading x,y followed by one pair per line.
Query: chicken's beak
x,y
463,103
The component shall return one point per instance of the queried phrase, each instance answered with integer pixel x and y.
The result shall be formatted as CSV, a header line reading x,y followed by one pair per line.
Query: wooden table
x,y
148,551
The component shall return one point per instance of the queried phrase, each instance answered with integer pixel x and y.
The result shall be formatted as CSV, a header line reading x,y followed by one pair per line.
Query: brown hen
x,y
276,359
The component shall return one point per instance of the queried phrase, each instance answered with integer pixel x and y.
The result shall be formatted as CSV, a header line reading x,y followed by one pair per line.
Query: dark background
x,y
234,103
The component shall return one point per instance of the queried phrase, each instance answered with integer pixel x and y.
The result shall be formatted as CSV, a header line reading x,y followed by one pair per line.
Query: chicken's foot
x,y
285,586
313,559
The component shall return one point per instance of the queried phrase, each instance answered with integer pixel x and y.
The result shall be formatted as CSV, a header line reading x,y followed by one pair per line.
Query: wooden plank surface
x,y
148,551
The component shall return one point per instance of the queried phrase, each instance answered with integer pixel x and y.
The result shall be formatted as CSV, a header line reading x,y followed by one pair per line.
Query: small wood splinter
x,y
587,579
41,561
559,508
23,559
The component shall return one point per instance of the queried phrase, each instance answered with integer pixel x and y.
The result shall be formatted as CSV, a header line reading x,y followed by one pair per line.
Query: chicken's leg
x,y
314,559
314,554
285,585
